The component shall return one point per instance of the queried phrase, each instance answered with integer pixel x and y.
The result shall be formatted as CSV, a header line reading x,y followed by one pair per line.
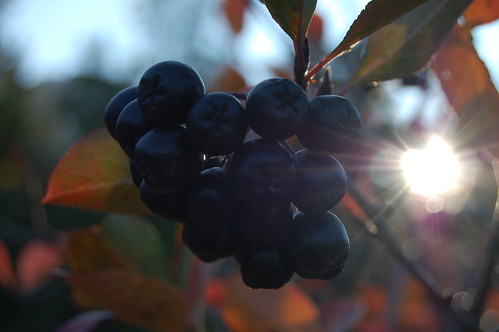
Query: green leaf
x,y
405,46
376,15
293,16
138,241
95,174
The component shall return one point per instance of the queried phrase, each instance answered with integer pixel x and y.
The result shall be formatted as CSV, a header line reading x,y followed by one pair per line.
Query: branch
x,y
379,231
484,278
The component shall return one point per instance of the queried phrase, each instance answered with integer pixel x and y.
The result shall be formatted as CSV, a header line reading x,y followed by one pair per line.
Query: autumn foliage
x,y
147,278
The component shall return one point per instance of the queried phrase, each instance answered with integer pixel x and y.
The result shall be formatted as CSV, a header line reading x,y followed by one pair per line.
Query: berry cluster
x,y
254,199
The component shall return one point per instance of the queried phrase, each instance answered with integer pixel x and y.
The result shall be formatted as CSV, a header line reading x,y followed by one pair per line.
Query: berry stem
x,y
302,51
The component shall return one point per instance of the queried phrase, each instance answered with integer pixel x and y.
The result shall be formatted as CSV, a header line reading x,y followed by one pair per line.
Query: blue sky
x,y
52,35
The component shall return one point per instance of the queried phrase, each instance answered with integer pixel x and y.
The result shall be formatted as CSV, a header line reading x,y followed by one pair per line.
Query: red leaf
x,y
470,91
481,12
316,28
94,174
36,262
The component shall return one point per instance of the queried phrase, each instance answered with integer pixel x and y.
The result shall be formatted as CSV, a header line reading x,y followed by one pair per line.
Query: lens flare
x,y
433,170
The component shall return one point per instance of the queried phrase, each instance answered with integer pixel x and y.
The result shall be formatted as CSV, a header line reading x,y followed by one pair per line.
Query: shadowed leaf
x,y
137,240
88,252
376,15
94,174
292,15
405,46
136,299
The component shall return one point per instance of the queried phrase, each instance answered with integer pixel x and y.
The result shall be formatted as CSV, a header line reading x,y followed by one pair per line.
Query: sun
x,y
432,171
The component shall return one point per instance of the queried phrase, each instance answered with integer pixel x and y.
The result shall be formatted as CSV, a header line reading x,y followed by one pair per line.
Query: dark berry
x,y
332,126
321,181
217,123
170,205
209,201
135,172
212,162
207,259
325,275
261,172
317,244
130,127
167,91
213,243
167,158
265,226
266,268
275,107
116,105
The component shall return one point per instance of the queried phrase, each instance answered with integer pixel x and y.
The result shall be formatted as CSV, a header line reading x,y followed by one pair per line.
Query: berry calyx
x,y
217,123
275,107
167,91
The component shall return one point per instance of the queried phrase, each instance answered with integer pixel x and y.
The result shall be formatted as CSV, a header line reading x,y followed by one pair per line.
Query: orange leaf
x,y
229,80
481,12
234,11
88,252
461,82
94,174
466,82
136,299
244,309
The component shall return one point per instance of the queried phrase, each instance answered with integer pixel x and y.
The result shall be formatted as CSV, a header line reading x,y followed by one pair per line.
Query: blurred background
x,y
61,62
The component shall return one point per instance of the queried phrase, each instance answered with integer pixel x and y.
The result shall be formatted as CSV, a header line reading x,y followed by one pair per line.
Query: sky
x,y
52,36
